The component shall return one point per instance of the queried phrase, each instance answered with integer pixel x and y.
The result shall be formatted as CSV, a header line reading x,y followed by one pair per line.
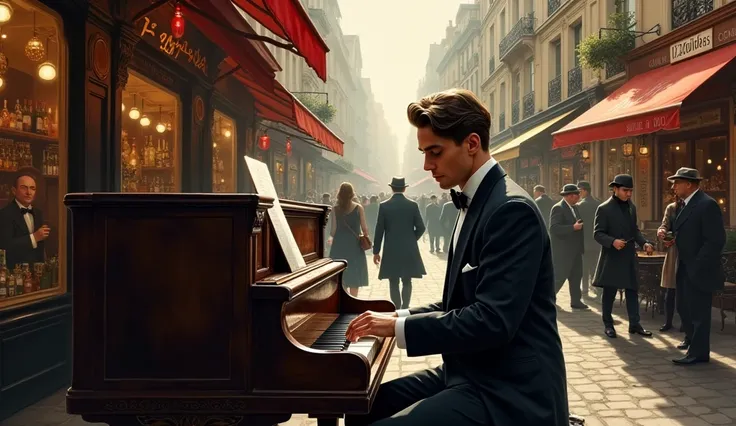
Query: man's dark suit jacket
x,y
700,237
545,207
587,207
448,216
566,241
401,224
15,238
496,326
432,219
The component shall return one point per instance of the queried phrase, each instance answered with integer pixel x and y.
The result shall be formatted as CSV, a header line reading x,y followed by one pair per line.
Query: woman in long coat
x,y
669,269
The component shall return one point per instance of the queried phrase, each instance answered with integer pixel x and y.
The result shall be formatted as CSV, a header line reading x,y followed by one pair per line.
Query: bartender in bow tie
x,y
22,231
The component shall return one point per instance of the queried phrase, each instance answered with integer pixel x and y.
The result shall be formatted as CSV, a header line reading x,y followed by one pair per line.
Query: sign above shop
x,y
693,45
178,49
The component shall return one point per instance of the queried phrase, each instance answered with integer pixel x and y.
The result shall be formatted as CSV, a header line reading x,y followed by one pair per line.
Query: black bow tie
x,y
26,211
459,199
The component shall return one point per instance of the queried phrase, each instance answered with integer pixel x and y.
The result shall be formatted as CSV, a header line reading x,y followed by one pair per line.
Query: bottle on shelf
x,y
4,293
18,277
5,115
18,115
27,116
27,279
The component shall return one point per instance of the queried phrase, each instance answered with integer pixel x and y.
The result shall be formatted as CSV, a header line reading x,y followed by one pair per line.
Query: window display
x,y
32,155
223,153
149,157
619,158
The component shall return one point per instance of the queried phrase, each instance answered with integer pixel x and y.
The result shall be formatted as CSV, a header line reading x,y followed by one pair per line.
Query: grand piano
x,y
186,313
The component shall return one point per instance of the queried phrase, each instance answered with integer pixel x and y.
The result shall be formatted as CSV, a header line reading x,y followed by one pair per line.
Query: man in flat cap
x,y
616,230
565,231
700,237
587,207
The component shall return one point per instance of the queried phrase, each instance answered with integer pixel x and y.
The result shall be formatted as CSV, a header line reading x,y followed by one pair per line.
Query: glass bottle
x,y
18,276
5,115
27,279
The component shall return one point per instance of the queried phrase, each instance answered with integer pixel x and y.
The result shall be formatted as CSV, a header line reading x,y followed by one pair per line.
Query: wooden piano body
x,y
185,313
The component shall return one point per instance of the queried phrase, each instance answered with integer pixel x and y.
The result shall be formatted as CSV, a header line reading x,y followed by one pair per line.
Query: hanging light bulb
x,y
6,12
160,127
288,146
47,71
227,133
123,107
145,121
177,22
134,114
2,83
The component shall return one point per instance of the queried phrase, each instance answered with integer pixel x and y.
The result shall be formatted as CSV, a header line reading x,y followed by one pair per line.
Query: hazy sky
x,y
394,37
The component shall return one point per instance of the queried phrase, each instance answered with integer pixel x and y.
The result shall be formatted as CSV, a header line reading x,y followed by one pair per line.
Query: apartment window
x,y
684,11
514,11
516,87
629,6
502,22
530,75
503,98
492,104
492,42
557,55
529,7
577,37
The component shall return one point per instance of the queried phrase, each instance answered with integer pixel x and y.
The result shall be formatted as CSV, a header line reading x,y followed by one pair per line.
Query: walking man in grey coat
x,y
565,231
543,202
400,222
587,207
616,230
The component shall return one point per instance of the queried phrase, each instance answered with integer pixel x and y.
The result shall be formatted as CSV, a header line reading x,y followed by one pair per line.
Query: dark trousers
x,y
669,305
447,241
694,307
590,261
632,306
573,279
423,399
401,298
434,241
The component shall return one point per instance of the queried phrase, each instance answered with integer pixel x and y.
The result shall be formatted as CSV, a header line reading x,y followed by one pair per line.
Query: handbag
x,y
363,240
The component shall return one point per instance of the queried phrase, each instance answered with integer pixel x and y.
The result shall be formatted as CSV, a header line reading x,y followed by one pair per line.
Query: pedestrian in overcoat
x,y
566,235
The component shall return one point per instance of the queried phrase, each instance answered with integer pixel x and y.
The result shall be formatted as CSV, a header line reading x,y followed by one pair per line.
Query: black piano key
x,y
333,339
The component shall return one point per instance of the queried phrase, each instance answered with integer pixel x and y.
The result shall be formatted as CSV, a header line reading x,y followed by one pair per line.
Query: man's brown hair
x,y
452,114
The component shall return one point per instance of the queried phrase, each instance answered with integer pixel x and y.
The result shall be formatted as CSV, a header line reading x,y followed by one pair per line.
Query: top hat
x,y
625,181
398,182
570,188
686,173
584,184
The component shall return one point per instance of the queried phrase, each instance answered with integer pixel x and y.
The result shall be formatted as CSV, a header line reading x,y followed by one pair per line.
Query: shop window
x,y
223,153
279,165
32,154
309,174
150,135
619,158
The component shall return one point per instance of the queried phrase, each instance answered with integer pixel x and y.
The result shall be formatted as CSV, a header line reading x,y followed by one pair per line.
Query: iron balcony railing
x,y
502,122
552,6
528,102
555,90
684,11
523,28
615,69
491,65
574,81
515,112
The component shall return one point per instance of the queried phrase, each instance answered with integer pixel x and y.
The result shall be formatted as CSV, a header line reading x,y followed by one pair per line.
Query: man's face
x,y
682,188
584,193
537,194
451,164
572,199
25,190
623,194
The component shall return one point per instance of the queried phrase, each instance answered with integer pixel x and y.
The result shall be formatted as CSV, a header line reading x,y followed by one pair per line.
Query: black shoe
x,y
579,305
665,327
684,345
638,329
610,332
431,251
690,360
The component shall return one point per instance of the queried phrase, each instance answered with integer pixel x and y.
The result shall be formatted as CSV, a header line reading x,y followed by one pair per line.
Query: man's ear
x,y
473,141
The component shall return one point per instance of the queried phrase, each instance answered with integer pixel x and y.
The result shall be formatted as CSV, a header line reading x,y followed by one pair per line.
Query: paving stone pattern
x,y
626,381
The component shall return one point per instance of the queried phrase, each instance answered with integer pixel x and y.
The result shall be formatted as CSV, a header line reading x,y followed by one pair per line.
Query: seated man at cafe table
x,y
22,230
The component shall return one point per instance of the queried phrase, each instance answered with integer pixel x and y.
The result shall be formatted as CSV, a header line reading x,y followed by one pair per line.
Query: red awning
x,y
288,20
645,104
364,175
277,104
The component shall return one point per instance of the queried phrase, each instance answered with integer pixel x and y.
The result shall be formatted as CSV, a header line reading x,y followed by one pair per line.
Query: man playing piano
x,y
496,326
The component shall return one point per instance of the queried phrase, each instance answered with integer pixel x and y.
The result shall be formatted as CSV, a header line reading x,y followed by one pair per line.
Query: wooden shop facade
x,y
128,96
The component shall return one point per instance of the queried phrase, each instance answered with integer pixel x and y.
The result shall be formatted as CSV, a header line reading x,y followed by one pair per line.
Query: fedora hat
x,y
398,182
584,184
570,188
625,181
686,173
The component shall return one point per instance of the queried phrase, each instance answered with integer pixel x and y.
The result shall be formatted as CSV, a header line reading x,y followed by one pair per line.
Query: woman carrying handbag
x,y
669,269
350,239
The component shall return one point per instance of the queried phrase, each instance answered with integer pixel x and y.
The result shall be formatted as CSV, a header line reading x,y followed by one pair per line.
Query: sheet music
x,y
264,186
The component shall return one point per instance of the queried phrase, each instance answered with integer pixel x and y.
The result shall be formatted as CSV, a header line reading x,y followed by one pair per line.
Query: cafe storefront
x,y
675,110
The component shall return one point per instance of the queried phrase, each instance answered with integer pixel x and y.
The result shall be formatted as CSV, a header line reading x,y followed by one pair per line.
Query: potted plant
x,y
607,50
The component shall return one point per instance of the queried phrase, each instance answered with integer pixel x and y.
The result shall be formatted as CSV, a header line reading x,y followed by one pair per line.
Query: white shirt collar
x,y
471,186
22,206
687,200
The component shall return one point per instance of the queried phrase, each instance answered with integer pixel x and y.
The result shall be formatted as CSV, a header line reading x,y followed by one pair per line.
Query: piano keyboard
x,y
326,332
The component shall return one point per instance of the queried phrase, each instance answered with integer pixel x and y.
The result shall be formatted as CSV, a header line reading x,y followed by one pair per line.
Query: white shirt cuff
x,y
33,242
399,331
403,312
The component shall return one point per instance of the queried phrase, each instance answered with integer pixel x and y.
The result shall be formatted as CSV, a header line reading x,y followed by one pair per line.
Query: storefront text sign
x,y
643,178
175,48
691,46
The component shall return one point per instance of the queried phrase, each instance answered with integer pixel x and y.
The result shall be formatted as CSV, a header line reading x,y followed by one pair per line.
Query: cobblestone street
x,y
626,381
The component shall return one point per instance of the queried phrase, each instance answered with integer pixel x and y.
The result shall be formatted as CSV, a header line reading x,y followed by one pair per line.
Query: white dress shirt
x,y
470,188
29,223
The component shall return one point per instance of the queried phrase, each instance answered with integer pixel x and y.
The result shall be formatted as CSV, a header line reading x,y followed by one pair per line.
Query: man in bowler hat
x,y
565,231
400,222
587,207
616,230
700,237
